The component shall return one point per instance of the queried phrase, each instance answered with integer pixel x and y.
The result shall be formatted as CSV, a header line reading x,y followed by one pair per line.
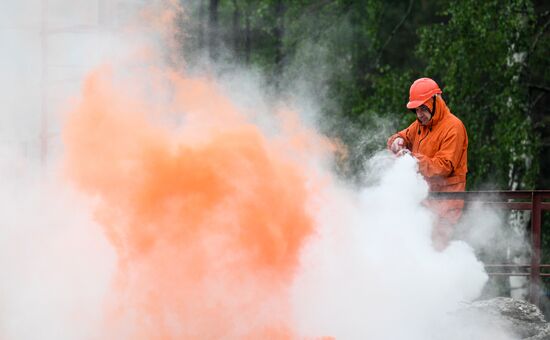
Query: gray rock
x,y
519,318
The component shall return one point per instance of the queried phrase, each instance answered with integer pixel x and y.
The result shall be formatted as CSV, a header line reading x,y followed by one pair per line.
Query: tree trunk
x,y
278,33
213,43
201,26
247,34
236,28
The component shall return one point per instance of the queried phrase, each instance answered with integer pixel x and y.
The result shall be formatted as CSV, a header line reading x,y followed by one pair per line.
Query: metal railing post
x,y
516,200
534,287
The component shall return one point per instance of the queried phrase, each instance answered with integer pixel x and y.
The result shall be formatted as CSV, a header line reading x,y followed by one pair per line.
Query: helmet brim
x,y
414,104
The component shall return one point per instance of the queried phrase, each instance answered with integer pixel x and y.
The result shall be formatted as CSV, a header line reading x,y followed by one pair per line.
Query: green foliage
x,y
478,57
360,57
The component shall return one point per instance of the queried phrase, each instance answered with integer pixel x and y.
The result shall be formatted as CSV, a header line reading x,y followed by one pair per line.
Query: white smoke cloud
x,y
56,264
373,273
370,271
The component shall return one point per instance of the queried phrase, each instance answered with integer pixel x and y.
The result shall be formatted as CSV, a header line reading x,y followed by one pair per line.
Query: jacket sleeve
x,y
403,134
447,157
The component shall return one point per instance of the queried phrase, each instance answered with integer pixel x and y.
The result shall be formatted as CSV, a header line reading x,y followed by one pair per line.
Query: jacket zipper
x,y
420,141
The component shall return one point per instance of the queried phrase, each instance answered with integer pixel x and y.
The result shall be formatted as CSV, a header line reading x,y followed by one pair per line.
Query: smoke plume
x,y
181,207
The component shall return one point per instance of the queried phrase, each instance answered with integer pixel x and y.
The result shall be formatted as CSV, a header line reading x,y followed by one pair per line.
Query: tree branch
x,y
536,101
395,29
317,6
539,87
523,69
539,34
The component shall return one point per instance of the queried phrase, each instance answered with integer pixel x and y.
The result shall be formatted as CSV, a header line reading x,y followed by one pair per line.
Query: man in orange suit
x,y
438,140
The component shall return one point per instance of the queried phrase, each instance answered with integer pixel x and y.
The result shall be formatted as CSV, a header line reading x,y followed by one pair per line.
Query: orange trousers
x,y
448,214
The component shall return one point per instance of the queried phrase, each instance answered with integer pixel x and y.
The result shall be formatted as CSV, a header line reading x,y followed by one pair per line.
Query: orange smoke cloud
x,y
207,215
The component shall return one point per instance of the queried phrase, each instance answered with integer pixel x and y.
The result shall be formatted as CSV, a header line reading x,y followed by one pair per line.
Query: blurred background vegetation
x,y
358,59
490,57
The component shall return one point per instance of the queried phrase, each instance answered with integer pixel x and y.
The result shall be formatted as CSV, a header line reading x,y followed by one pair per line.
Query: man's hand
x,y
397,145
403,152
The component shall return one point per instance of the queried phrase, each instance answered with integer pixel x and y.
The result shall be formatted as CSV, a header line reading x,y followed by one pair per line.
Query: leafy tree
x,y
479,56
360,58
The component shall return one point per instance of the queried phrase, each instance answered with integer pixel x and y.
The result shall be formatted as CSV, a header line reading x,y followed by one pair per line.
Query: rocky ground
x,y
520,319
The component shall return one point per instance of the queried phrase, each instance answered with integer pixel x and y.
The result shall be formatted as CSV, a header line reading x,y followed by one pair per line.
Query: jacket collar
x,y
441,111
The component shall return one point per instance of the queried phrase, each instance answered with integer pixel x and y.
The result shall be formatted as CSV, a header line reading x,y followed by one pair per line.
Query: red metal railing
x,y
514,200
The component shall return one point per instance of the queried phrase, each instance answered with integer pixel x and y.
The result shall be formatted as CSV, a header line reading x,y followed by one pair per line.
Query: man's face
x,y
423,114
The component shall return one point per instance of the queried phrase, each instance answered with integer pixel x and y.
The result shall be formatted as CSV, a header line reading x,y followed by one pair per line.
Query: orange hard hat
x,y
421,90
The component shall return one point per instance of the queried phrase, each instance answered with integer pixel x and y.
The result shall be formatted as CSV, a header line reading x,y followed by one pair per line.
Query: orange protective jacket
x,y
441,148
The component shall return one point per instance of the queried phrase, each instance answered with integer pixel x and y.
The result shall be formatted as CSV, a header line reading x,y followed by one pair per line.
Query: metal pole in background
x,y
534,287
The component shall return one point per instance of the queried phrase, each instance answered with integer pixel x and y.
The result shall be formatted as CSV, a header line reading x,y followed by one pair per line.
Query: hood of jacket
x,y
441,110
